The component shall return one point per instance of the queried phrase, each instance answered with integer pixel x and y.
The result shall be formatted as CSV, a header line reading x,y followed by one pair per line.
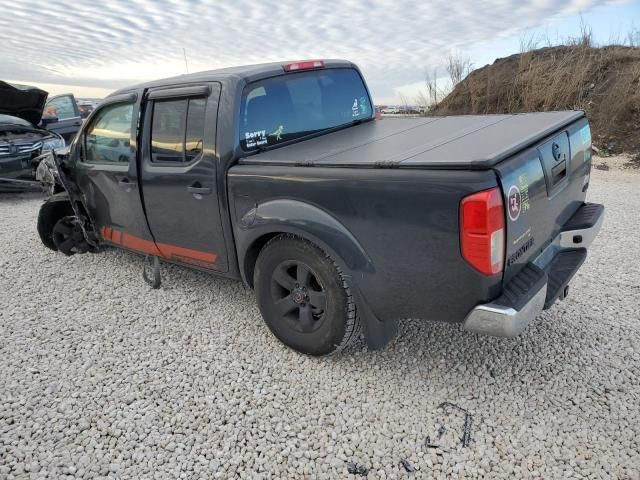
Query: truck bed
x,y
453,142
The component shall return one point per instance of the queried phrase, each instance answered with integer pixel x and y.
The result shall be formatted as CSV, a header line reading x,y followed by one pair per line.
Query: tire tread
x,y
353,327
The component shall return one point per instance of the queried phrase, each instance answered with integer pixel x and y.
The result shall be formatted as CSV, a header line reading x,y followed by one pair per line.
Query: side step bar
x,y
561,270
582,227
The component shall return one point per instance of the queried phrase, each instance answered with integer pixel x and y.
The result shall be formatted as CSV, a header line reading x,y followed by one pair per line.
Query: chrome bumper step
x,y
541,282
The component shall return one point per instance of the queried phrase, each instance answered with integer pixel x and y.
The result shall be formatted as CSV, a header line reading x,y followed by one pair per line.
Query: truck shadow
x,y
543,346
541,354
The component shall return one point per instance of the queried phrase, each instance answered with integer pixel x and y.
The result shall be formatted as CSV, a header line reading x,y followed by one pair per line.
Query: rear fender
x,y
318,226
307,221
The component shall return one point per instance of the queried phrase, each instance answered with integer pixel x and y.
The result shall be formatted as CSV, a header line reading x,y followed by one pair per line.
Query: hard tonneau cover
x,y
454,142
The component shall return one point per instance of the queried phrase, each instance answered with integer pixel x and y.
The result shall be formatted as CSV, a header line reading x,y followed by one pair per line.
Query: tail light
x,y
305,65
482,231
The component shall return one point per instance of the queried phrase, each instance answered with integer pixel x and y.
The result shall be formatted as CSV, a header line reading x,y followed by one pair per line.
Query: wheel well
x,y
56,207
50,213
251,256
61,206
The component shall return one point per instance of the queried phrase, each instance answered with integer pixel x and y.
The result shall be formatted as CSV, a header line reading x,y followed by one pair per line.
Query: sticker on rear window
x,y
359,107
277,133
355,110
364,107
255,139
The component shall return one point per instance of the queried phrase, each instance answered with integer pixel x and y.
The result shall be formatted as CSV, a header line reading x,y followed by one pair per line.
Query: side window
x,y
177,130
107,138
61,107
195,128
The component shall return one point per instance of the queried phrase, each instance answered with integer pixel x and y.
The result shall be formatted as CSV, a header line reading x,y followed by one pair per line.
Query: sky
x,y
92,48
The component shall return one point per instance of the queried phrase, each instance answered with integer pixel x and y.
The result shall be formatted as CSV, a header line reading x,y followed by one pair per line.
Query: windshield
x,y
291,106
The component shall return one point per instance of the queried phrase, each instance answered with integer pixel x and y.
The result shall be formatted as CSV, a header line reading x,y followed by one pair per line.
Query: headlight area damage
x,y
63,224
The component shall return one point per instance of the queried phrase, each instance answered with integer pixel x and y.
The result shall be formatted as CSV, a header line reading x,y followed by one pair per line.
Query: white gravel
x,y
102,377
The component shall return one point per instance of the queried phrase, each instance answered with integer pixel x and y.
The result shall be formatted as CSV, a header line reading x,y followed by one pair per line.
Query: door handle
x,y
126,184
198,189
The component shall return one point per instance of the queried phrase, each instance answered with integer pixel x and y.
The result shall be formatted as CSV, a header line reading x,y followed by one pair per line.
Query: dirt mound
x,y
605,82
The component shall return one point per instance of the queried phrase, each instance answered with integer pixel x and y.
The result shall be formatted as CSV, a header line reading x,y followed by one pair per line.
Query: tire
x,y
49,214
303,297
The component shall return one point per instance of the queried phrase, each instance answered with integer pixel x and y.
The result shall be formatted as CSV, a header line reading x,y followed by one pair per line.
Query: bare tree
x,y
431,81
458,67
404,102
422,101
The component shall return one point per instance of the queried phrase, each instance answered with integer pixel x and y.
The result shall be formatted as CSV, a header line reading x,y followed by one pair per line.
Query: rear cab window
x,y
294,105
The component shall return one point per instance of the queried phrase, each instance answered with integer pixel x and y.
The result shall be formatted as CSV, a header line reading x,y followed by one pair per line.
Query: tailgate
x,y
543,187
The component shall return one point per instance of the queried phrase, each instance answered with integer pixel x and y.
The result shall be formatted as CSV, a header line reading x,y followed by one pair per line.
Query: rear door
x,y
543,186
65,109
178,168
106,172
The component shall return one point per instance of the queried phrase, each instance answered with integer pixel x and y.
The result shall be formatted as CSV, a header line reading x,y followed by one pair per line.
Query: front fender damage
x,y
63,209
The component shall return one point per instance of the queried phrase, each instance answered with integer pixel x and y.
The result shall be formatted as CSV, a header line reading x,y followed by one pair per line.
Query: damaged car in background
x,y
22,141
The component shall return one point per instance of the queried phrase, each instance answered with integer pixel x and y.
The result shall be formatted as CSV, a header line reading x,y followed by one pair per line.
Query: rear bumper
x,y
541,282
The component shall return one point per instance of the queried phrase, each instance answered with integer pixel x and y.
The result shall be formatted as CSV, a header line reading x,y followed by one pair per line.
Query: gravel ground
x,y
101,376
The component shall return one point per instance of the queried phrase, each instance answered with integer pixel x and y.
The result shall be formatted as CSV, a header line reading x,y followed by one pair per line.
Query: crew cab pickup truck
x,y
279,175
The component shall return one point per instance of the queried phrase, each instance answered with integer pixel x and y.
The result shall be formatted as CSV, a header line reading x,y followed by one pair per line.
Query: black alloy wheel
x,y
303,297
298,296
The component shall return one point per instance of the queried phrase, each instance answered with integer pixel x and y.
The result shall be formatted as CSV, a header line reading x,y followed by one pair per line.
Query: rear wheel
x,y
303,297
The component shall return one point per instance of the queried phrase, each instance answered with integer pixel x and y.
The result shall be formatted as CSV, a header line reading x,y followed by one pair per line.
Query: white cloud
x,y
113,43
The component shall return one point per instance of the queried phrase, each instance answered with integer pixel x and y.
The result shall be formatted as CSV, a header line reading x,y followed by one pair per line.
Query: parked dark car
x,y
63,115
21,140
279,175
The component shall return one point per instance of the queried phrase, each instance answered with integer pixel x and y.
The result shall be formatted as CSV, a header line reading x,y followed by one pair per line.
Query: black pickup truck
x,y
279,175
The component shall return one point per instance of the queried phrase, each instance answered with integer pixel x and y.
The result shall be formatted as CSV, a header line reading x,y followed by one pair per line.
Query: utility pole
x,y
186,64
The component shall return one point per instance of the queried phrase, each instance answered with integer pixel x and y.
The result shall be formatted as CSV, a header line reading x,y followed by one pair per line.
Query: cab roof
x,y
248,73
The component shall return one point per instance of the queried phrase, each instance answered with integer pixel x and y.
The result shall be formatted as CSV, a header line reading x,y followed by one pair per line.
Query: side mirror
x,y
47,120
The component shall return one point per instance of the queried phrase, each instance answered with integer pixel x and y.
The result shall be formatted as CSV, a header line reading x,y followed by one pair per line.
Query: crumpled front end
x,y
47,172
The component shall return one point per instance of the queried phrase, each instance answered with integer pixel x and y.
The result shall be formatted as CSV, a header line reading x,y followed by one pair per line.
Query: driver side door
x,y
106,173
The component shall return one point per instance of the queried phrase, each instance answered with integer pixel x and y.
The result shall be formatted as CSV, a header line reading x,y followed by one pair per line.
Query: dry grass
x,y
605,82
